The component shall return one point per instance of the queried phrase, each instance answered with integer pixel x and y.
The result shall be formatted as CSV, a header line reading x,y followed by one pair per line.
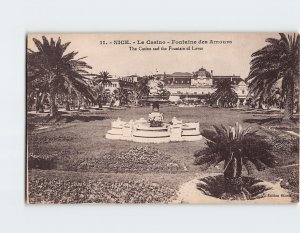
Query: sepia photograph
x,y
162,118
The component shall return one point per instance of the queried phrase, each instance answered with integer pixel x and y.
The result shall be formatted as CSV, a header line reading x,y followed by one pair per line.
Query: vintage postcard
x,y
190,118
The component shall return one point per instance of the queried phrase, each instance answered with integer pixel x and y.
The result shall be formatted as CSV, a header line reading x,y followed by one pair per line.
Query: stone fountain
x,y
154,130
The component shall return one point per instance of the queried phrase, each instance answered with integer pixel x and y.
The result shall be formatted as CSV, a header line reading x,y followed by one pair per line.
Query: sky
x,y
119,60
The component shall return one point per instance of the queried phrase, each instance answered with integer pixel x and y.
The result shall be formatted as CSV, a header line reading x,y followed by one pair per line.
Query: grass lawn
x,y
76,142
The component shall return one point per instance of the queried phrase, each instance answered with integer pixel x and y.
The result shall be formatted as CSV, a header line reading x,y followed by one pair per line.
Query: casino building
x,y
197,85
183,85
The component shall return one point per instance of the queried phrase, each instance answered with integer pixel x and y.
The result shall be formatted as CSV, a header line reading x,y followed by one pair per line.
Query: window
x,y
243,91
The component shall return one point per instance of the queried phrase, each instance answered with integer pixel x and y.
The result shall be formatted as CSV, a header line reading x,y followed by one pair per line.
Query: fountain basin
x,y
140,131
145,133
191,132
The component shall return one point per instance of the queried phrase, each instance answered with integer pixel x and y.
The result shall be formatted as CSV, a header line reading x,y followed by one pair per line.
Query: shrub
x,y
237,147
43,162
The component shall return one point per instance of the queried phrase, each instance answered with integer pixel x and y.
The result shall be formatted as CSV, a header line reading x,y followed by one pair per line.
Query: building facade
x,y
194,86
199,84
127,82
122,88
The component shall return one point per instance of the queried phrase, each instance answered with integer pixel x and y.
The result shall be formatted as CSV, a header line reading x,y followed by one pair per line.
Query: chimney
x,y
211,72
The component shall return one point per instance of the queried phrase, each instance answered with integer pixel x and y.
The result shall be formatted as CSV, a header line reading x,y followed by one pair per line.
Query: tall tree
x,y
141,88
99,82
277,61
36,93
276,98
55,68
224,94
122,94
102,78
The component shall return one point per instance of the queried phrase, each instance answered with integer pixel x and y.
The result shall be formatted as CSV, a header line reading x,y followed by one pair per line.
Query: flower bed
x,y
47,190
40,139
215,186
44,162
137,159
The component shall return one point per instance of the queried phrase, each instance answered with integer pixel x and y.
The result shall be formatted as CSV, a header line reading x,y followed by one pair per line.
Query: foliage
x,y
214,186
102,78
122,94
43,162
156,87
142,88
137,159
92,190
237,147
275,98
179,101
52,71
224,94
278,61
156,119
98,84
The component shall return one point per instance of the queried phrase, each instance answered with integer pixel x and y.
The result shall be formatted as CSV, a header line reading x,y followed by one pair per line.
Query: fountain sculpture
x,y
155,130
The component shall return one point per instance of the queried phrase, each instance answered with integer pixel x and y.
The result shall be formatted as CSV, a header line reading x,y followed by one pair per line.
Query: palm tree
x,y
276,97
277,61
37,92
123,95
224,94
99,82
55,68
69,94
237,147
141,88
102,78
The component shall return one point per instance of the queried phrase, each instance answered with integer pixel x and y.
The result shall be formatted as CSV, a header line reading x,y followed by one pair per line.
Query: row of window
x,y
110,85
196,93
189,81
179,82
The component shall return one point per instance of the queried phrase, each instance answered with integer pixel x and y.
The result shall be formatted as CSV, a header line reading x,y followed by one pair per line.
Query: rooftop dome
x,y
202,72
